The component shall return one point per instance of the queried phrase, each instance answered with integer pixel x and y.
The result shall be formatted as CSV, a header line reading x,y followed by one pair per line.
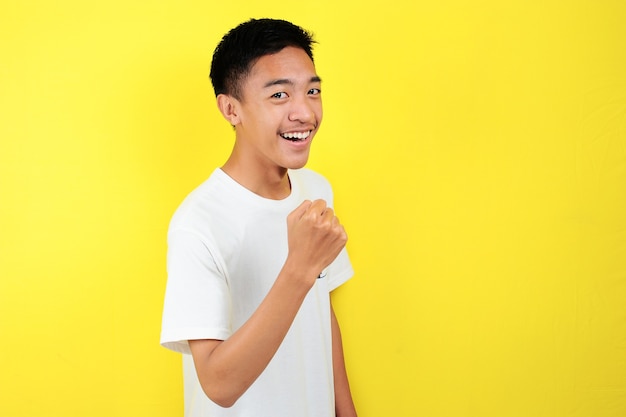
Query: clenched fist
x,y
315,238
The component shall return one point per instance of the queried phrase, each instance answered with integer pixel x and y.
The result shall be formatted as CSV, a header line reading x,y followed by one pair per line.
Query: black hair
x,y
242,46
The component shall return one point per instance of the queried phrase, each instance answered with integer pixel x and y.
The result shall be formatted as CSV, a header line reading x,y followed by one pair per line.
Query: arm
x,y
344,406
226,369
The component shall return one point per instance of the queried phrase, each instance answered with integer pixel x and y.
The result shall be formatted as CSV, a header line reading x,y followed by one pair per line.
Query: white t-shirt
x,y
226,246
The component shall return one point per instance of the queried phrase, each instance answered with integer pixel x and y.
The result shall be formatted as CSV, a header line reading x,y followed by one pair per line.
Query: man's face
x,y
279,112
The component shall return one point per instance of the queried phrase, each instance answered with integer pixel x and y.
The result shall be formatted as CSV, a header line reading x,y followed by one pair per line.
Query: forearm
x,y
227,369
344,406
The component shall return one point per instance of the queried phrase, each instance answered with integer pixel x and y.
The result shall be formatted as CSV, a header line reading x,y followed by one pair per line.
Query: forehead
x,y
290,63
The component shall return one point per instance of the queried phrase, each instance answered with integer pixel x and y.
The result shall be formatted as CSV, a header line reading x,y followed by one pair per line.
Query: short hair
x,y
242,47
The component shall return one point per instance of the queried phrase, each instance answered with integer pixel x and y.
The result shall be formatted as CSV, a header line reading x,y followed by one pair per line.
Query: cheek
x,y
318,110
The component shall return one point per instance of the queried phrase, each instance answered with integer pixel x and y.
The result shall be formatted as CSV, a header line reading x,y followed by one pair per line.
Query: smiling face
x,y
279,112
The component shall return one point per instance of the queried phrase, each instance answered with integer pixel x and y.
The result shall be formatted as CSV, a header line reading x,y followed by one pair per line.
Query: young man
x,y
254,251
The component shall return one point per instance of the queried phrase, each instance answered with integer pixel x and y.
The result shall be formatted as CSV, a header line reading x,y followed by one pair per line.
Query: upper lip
x,y
299,128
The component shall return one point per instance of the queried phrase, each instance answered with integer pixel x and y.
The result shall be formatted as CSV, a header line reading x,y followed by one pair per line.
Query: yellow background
x,y
478,155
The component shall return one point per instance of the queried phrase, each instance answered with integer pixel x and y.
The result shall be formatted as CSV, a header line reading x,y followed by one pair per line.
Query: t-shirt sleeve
x,y
197,298
340,270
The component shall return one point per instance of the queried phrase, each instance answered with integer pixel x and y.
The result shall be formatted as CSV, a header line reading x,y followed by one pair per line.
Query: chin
x,y
297,165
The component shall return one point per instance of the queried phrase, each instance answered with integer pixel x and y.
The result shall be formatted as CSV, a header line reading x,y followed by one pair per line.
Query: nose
x,y
302,110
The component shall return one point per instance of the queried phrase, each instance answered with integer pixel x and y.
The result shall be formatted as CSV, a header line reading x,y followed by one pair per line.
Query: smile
x,y
296,136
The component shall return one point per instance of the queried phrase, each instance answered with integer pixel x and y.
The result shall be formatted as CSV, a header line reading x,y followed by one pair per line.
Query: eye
x,y
314,91
281,94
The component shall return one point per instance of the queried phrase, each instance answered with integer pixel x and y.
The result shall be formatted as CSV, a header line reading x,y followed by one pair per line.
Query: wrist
x,y
300,274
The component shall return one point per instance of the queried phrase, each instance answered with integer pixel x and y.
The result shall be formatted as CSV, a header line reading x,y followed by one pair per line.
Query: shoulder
x,y
311,184
207,201
309,177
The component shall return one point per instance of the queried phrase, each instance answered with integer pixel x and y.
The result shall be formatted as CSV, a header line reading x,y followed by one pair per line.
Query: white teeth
x,y
296,135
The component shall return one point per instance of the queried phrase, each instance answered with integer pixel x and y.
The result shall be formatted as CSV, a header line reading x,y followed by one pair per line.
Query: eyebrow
x,y
282,81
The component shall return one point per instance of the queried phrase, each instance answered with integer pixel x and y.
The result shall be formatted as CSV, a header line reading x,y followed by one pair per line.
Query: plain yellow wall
x,y
478,154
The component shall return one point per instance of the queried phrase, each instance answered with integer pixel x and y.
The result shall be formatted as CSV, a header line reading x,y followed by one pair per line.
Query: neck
x,y
271,184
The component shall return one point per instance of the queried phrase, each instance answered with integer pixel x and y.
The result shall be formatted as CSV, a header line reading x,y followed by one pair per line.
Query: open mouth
x,y
296,136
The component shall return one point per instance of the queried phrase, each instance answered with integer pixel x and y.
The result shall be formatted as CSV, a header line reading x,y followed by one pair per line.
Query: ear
x,y
229,107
